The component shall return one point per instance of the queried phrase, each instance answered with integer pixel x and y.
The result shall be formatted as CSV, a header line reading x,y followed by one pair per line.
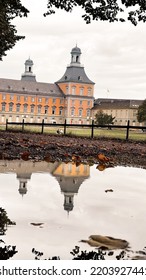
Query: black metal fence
x,y
65,125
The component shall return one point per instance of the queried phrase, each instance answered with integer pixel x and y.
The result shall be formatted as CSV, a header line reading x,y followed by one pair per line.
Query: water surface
x,y
71,203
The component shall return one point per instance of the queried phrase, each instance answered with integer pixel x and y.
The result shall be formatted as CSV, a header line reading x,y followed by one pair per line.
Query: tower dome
x,y
29,61
76,50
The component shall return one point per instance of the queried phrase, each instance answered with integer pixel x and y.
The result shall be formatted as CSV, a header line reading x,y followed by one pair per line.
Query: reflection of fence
x,y
65,125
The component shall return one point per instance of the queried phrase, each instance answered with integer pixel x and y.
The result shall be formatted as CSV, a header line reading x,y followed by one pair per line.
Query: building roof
x,y
103,103
29,87
75,74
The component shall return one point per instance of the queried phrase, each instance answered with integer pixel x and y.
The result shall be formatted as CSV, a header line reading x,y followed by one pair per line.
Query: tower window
x,y
65,77
73,90
89,91
81,91
29,69
77,58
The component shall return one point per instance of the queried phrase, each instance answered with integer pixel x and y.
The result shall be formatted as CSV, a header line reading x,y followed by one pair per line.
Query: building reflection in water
x,y
69,176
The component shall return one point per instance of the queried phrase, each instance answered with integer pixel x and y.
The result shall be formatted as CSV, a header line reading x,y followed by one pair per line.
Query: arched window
x,y
11,107
3,107
53,110
18,107
72,112
60,111
88,113
32,108
25,106
80,112
46,109
39,109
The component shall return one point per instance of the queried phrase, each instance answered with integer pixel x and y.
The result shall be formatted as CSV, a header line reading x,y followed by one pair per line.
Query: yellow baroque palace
x,y
70,98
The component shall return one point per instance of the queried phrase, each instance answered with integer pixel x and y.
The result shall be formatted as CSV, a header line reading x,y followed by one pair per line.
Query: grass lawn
x,y
84,132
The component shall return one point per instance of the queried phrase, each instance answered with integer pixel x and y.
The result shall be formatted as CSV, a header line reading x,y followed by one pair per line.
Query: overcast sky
x,y
113,54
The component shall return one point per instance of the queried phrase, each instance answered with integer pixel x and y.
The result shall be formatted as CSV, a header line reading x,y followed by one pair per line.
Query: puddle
x,y
55,205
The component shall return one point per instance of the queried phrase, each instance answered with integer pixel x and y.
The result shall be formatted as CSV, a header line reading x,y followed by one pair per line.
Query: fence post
x,y
92,129
23,125
42,126
65,127
6,124
127,131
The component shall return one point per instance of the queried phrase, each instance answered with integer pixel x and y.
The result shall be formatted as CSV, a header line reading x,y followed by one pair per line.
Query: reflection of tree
x,y
4,221
99,254
6,251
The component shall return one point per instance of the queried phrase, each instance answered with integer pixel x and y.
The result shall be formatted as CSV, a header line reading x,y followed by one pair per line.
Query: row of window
x,y
32,108
39,99
81,102
81,92
39,109
121,112
125,121
80,112
33,99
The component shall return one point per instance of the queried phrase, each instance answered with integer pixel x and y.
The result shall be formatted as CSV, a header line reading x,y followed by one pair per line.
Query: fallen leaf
x,y
109,190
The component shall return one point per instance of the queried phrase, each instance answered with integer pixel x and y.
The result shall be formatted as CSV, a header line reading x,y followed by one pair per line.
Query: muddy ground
x,y
28,146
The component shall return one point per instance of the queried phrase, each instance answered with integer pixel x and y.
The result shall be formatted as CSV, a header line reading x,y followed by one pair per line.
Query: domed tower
x,y
78,90
28,74
75,56
23,179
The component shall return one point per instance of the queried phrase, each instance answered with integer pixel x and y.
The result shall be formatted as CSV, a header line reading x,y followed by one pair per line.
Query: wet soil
x,y
38,147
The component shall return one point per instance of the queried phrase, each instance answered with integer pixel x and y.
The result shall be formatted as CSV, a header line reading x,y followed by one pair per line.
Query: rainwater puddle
x,y
55,205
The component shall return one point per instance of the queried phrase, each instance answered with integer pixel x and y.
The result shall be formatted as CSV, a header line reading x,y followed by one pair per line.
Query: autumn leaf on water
x,y
101,167
25,155
102,158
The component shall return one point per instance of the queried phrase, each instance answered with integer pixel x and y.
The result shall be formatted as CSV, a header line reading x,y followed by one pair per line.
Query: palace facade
x,y
70,98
